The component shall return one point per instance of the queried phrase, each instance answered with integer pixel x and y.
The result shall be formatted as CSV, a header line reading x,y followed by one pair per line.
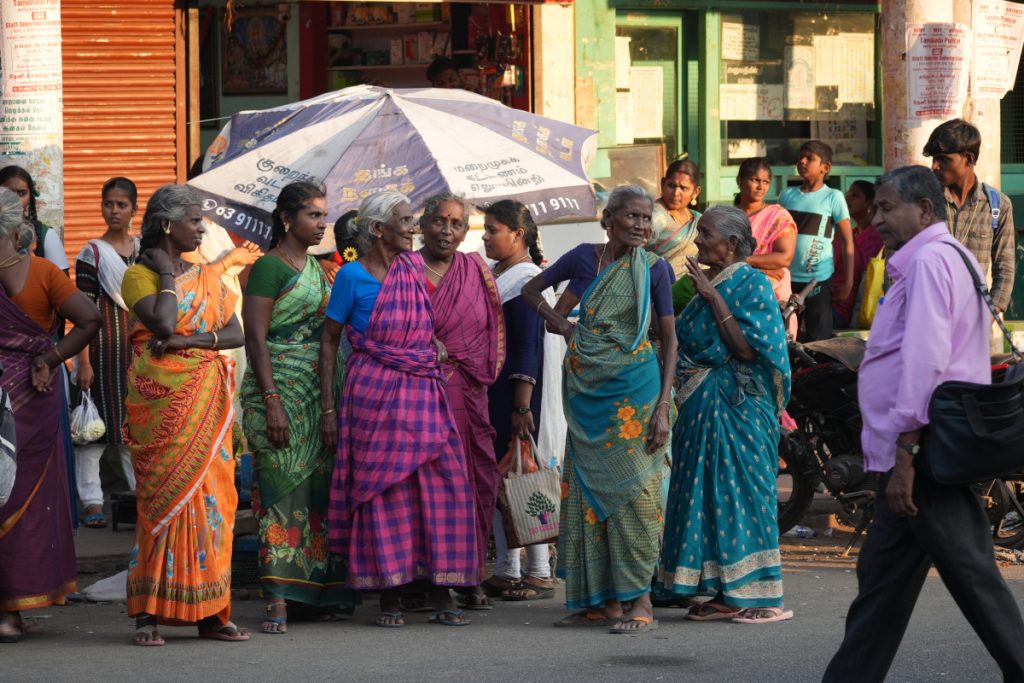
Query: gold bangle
x,y
329,412
542,302
216,340
668,403
168,291
725,319
56,352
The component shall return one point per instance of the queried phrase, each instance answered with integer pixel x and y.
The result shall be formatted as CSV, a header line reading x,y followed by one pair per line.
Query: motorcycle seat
x,y
846,350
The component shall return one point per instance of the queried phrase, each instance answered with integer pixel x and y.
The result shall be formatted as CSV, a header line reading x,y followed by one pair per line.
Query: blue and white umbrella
x,y
420,142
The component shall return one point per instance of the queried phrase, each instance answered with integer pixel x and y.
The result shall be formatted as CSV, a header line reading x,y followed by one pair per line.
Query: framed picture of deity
x,y
254,55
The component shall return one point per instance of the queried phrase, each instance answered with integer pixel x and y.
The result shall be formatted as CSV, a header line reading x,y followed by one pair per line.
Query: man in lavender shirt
x,y
933,327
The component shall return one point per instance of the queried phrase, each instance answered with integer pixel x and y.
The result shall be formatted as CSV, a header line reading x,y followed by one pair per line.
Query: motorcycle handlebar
x,y
796,300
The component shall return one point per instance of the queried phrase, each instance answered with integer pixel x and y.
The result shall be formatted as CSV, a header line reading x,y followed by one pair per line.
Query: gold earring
x,y
167,231
693,202
287,227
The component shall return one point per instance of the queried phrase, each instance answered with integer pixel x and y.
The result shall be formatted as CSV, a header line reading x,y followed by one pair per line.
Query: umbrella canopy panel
x,y
418,142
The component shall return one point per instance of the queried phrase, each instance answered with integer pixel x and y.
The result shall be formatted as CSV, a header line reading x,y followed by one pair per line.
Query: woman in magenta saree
x,y
401,509
37,554
471,325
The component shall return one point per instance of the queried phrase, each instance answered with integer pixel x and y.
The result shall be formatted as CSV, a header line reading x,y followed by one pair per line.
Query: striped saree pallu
x,y
37,553
401,507
611,513
178,427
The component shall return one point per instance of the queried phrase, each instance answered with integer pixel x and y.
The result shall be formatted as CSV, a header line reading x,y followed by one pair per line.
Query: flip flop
x,y
648,624
153,638
719,612
96,520
397,620
474,601
448,617
521,592
778,614
494,586
584,619
225,633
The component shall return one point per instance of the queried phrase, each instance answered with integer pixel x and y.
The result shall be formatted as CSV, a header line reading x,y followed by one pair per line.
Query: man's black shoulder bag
x,y
977,430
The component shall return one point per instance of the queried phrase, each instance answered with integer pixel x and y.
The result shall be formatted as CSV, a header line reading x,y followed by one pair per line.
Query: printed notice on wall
x,y
624,118
31,123
846,62
740,42
750,102
998,37
799,77
938,57
647,86
622,62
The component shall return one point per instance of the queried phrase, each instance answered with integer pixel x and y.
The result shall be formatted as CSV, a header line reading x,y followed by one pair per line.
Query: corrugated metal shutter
x,y
123,107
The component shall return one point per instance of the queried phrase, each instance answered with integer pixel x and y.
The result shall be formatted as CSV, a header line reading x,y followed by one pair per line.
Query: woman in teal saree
x,y
617,399
721,525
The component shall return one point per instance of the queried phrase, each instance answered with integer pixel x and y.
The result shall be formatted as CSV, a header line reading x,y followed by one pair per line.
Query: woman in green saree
x,y
674,224
283,313
617,397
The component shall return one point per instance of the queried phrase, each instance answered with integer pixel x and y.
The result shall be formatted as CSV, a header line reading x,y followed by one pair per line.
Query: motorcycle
x,y
823,454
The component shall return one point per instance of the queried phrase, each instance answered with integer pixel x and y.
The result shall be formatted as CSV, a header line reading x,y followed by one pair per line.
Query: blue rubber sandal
x,y
449,617
96,520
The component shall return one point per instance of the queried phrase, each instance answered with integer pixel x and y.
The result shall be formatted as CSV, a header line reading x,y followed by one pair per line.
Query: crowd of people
x,y
379,396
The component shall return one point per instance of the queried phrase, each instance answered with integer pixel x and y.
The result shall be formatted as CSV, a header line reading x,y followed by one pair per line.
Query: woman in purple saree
x,y
37,553
401,509
471,325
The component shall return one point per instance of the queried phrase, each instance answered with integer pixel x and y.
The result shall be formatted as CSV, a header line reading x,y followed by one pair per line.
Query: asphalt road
x,y
513,642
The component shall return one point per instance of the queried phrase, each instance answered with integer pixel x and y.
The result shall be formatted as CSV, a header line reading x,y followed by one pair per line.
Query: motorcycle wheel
x,y
1006,512
794,490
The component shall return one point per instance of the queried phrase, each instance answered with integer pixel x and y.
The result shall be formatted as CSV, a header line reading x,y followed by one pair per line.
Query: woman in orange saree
x,y
178,427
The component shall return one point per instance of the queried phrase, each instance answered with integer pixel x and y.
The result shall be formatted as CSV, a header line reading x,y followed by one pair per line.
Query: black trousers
x,y
816,320
951,531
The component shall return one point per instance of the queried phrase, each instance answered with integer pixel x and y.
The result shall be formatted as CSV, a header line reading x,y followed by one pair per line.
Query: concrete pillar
x,y
985,114
904,139
554,60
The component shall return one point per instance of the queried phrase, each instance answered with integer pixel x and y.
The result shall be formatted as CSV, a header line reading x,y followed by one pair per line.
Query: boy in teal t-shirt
x,y
818,210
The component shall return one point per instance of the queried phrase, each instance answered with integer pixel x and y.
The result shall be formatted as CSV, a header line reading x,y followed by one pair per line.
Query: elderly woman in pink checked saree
x,y
401,508
470,324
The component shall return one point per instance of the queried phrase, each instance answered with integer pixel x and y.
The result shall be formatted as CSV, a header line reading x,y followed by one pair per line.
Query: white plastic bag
x,y
86,424
8,450
111,589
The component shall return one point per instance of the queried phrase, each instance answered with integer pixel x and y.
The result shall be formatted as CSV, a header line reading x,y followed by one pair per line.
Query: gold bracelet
x,y
725,319
56,352
542,302
668,403
216,340
168,291
329,412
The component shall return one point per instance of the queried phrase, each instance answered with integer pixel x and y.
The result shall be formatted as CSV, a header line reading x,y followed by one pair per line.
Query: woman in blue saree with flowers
x,y
617,398
721,524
